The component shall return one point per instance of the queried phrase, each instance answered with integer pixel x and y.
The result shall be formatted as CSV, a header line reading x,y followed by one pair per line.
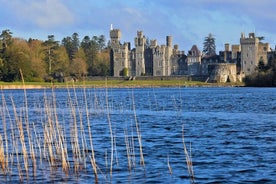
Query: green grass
x,y
119,84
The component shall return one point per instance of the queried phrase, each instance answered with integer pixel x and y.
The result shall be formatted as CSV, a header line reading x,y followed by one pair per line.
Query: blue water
x,y
229,132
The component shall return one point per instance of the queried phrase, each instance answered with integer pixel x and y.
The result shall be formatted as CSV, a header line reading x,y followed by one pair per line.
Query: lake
x,y
136,135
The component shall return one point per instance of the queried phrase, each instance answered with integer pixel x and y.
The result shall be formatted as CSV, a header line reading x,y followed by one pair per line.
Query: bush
x,y
125,72
261,79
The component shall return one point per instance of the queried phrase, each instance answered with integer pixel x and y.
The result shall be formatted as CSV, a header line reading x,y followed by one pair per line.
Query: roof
x,y
194,51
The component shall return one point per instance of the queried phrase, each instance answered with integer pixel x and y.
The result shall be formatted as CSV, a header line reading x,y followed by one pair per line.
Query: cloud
x,y
187,21
44,14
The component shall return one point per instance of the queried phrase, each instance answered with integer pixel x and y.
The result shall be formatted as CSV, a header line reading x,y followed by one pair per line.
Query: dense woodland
x,y
52,60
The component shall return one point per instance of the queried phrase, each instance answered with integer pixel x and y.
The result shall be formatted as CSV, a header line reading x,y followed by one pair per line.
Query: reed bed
x,y
63,140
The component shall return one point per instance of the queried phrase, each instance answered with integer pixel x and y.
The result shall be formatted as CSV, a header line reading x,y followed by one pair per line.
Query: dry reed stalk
x,y
110,128
49,134
65,152
132,147
59,144
27,123
64,164
2,155
92,159
7,113
21,135
169,165
33,157
74,136
13,141
189,162
82,133
37,143
37,140
142,161
115,149
5,136
128,151
18,163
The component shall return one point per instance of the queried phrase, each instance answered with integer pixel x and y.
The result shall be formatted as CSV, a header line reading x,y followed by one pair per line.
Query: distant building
x,y
150,59
194,61
252,52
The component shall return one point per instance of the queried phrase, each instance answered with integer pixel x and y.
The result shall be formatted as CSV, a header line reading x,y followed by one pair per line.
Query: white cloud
x,y
43,13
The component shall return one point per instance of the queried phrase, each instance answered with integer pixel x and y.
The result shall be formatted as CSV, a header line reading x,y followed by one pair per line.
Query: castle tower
x,y
169,41
119,62
249,53
115,36
169,52
140,41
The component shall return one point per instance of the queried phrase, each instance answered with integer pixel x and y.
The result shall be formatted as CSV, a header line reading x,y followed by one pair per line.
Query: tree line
x,y
52,60
264,75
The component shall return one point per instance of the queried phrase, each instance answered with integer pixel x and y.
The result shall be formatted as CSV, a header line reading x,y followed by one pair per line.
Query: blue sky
x,y
188,21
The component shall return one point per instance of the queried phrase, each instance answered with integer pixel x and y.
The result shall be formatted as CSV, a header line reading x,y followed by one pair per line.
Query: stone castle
x,y
150,59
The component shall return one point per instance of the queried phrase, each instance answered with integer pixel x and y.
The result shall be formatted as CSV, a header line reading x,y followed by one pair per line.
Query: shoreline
x,y
110,85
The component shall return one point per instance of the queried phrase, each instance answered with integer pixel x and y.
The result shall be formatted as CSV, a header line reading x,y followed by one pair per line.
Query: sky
x,y
187,21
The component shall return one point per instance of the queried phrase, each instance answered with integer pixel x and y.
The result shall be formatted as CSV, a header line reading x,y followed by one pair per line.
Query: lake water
x,y
229,132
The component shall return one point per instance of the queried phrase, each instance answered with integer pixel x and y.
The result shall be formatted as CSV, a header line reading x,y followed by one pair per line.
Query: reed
x,y
81,129
169,166
65,144
110,130
2,155
189,161
128,151
92,158
142,162
4,159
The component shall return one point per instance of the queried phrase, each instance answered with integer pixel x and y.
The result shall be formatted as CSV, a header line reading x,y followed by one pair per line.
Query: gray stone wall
x,y
249,53
222,72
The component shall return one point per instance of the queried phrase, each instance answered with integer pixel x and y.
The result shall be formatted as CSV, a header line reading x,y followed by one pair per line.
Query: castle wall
x,y
263,48
168,54
120,55
235,50
140,41
249,53
222,72
159,61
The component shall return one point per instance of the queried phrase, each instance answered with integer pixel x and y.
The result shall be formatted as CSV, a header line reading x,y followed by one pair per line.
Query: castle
x,y
150,59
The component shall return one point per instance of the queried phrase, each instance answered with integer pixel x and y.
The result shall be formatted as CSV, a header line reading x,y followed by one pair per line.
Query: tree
x,y
71,44
75,42
261,38
209,45
37,54
16,57
51,46
101,42
91,49
6,38
78,66
68,44
60,64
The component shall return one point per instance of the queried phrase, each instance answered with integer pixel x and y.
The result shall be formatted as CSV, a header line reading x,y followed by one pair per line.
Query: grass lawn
x,y
115,84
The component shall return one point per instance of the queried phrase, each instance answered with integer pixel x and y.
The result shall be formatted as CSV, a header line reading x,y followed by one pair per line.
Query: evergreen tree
x,y
6,38
209,45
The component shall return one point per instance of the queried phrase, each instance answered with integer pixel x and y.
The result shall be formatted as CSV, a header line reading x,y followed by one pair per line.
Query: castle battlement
x,y
115,34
